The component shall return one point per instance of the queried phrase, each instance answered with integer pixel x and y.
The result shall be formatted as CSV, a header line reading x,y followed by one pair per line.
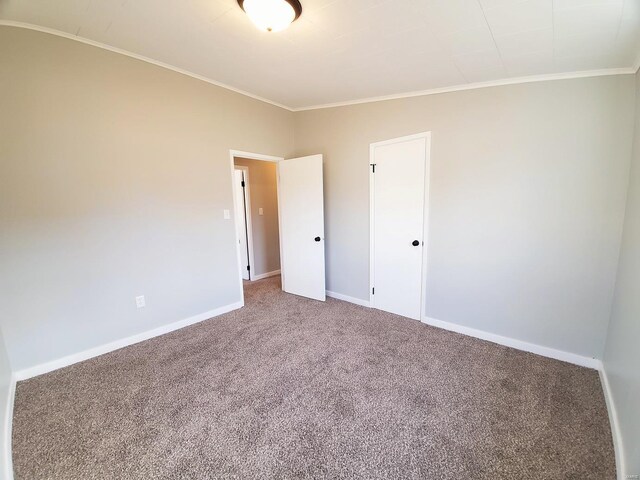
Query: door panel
x,y
398,225
241,221
300,197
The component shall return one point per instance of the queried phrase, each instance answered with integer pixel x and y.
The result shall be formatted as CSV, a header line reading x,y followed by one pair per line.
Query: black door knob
x,y
415,243
317,239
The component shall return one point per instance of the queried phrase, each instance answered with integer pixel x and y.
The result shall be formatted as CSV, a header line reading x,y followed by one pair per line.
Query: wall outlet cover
x,y
140,303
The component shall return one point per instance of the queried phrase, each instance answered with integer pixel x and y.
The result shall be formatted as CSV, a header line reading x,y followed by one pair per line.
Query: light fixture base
x,y
259,15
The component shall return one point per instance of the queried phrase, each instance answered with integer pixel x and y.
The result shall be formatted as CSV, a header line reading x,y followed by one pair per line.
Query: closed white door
x,y
301,206
241,220
398,177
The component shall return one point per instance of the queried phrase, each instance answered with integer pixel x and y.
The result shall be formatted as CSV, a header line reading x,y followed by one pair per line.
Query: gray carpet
x,y
293,388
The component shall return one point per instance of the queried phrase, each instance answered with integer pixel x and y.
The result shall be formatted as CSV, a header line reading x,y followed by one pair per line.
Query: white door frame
x,y
247,201
425,233
252,156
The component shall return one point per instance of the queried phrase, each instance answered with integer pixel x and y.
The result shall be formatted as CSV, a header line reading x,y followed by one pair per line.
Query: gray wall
x,y
527,201
5,381
622,353
263,191
114,175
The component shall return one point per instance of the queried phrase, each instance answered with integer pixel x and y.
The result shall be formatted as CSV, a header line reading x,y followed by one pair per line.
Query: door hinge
x,y
248,268
242,183
373,168
373,291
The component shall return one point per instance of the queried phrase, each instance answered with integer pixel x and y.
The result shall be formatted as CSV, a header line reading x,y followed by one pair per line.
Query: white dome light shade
x,y
271,15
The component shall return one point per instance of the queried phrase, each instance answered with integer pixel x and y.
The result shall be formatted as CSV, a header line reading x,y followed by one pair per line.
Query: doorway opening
x,y
256,216
279,221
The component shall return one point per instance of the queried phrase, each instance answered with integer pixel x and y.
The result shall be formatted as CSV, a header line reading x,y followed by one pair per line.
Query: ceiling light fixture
x,y
271,15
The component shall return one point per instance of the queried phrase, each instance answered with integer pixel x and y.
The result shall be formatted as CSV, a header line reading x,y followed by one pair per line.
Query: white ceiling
x,y
345,50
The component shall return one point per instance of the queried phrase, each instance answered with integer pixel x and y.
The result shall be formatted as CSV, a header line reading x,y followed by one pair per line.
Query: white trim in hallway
x,y
265,275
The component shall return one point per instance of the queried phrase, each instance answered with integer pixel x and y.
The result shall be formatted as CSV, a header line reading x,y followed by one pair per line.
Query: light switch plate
x,y
227,214
140,303
260,211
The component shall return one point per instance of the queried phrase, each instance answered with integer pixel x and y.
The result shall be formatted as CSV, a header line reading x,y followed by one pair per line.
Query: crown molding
x,y
478,85
52,31
434,91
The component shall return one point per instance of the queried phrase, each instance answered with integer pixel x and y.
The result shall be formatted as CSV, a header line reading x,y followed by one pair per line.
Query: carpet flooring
x,y
293,388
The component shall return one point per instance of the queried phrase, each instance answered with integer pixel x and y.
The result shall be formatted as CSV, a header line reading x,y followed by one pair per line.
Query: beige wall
x,y
263,191
114,176
622,355
527,200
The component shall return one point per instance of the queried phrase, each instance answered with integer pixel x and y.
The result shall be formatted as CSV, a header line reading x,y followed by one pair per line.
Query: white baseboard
x,y
549,352
499,339
5,454
568,357
124,342
266,275
613,420
347,298
517,344
573,358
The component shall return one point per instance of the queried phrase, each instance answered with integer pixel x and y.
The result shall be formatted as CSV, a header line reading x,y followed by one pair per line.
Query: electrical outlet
x,y
227,214
140,303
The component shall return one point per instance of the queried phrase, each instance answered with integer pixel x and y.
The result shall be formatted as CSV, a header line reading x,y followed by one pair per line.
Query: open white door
x,y
301,206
